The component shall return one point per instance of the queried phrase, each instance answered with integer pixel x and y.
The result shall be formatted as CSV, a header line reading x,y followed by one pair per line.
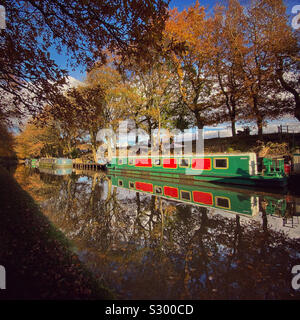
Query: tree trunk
x,y
232,113
259,118
259,126
136,135
109,149
94,151
297,109
199,120
233,129
69,147
94,145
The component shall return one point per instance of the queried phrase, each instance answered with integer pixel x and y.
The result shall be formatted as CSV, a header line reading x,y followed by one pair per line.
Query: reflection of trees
x,y
40,186
148,247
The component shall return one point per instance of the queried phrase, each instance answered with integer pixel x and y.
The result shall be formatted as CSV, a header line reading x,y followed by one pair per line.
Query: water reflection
x,y
57,172
149,246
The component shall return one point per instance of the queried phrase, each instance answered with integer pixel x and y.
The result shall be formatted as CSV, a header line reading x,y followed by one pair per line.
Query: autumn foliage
x,y
233,64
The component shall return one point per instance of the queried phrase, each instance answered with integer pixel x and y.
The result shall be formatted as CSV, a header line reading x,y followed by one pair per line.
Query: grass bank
x,y
286,143
39,260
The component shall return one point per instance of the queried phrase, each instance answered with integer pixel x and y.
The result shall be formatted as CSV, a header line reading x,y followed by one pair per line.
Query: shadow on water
x,y
146,246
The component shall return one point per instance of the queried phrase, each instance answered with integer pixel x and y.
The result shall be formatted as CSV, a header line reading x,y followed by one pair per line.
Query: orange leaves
x,y
36,141
194,30
192,27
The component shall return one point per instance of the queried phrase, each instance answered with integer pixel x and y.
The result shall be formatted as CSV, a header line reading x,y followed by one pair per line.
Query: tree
x,y
154,86
194,81
35,141
284,48
62,120
98,103
117,92
28,75
89,105
267,27
229,39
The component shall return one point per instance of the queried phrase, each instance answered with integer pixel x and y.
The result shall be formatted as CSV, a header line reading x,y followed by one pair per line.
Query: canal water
x,y
203,242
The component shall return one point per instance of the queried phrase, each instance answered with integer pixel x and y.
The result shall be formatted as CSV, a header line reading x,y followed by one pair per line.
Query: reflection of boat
x,y
55,163
238,169
201,193
203,196
57,172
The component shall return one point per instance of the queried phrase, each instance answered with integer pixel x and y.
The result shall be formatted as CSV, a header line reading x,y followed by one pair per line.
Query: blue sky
x,y
182,4
79,72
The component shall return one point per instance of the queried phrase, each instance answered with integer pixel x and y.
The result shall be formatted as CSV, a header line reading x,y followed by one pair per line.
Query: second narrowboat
x,y
55,163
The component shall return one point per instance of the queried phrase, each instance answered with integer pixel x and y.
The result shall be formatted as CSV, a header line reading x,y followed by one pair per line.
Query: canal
x,y
226,244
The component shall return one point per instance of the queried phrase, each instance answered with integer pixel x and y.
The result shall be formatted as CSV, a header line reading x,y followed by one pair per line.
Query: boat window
x,y
223,202
120,161
221,163
130,162
184,163
157,162
158,190
120,183
185,195
131,185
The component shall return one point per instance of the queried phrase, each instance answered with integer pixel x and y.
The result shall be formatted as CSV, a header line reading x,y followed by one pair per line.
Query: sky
x,y
182,4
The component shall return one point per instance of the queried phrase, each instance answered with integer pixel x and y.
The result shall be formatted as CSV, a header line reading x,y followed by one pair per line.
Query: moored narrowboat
x,y
34,163
55,163
236,168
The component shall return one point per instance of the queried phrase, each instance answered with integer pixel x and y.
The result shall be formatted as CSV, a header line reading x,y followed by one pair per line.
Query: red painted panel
x,y
203,197
171,192
143,186
143,163
170,163
201,164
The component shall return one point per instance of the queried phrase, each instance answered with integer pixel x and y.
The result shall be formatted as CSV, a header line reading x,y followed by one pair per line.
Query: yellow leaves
x,y
34,139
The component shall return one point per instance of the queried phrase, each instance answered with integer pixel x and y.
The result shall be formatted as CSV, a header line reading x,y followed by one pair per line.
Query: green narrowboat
x,y
236,168
203,194
55,163
34,163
